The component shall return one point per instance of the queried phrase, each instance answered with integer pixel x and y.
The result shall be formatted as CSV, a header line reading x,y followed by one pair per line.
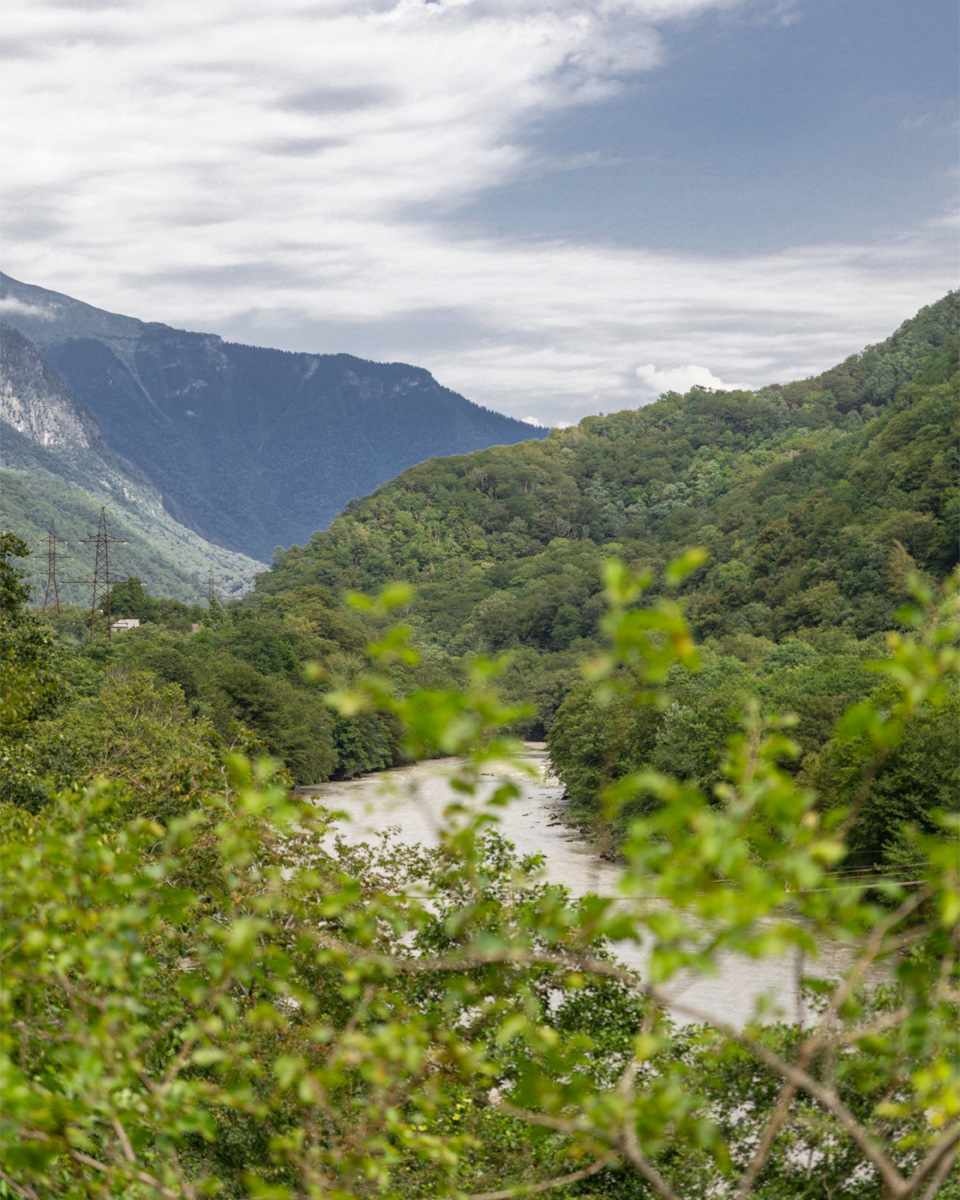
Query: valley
x,y
480,600
730,619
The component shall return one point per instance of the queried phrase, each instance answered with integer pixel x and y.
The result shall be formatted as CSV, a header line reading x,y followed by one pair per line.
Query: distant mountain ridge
x,y
250,447
58,467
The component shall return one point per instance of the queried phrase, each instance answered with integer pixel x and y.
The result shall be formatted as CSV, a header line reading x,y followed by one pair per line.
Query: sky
x,y
558,208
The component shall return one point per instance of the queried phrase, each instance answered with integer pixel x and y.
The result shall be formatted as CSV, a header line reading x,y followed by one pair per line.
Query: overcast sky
x,y
557,207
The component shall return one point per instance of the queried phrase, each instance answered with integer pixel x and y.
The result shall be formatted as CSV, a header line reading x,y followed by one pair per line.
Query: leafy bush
x,y
230,1001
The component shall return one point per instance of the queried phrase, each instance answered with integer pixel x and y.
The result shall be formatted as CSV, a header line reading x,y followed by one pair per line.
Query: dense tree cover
x,y
814,500
214,997
596,739
30,683
771,483
217,677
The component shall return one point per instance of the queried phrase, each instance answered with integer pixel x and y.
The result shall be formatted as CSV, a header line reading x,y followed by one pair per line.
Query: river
x,y
411,799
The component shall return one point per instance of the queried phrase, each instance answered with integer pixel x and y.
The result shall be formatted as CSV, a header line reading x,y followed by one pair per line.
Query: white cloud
x,y
12,305
161,112
680,379
282,173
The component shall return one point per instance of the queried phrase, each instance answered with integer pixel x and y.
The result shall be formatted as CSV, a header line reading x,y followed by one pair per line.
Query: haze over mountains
x,y
249,448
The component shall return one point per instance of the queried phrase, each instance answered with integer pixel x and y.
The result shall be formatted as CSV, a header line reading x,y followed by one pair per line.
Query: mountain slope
x,y
250,447
814,500
58,466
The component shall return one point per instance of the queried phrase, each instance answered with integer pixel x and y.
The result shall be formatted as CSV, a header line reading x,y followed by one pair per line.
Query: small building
x,y
124,624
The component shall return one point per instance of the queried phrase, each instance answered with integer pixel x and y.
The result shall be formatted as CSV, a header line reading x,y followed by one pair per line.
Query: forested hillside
x,y
813,500
817,504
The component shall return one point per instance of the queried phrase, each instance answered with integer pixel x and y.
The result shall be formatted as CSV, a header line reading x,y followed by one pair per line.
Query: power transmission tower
x,y
102,579
51,541
211,588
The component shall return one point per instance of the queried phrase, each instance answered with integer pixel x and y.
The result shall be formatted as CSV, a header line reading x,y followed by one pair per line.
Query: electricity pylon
x,y
102,579
51,541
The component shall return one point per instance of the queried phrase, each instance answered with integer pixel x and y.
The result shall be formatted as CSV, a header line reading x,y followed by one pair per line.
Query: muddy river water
x,y
411,799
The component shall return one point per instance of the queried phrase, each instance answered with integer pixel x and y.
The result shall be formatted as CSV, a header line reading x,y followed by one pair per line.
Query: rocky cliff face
x,y
36,402
251,447
57,466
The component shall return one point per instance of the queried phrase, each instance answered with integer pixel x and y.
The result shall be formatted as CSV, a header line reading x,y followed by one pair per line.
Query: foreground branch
x,y
536,1189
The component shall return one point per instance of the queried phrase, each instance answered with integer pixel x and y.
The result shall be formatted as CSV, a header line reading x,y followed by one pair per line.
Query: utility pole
x,y
102,579
50,541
